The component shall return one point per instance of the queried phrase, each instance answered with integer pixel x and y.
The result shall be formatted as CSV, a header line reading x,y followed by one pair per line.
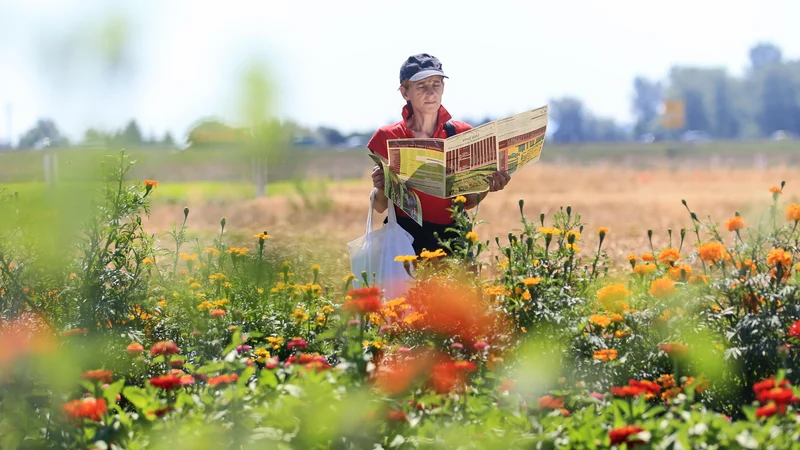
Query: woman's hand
x,y
498,181
378,178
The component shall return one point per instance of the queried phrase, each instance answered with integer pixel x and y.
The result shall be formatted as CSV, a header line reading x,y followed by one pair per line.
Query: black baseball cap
x,y
418,67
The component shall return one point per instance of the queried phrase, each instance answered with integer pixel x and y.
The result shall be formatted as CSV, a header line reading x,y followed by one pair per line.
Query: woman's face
x,y
425,95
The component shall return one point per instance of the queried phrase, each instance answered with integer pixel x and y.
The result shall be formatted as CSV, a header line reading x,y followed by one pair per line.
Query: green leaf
x,y
213,367
111,392
267,378
136,396
13,438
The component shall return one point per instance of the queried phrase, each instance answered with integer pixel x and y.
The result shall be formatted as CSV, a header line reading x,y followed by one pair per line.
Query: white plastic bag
x,y
375,253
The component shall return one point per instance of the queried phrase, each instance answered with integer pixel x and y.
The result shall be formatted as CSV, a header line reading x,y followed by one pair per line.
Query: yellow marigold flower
x,y
212,251
494,290
327,309
632,257
460,199
348,277
237,251
644,269
472,236
576,233
602,230
526,295
188,257
612,294
669,256
217,277
735,223
600,320
147,261
621,334
315,268
648,257
779,256
573,247
195,286
662,288
549,231
299,315
262,235
775,190
275,342
712,252
438,253
405,258
605,355
531,281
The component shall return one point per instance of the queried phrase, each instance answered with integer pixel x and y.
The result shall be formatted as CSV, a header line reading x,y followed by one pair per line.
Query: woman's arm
x,y
381,201
474,199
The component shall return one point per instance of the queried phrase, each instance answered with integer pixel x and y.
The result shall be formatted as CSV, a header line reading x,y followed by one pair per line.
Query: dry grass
x,y
626,201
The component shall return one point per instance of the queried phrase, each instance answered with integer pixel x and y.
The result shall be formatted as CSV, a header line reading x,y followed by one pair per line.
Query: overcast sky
x,y
336,63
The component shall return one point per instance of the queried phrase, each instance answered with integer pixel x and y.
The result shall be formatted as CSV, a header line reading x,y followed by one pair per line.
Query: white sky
x,y
337,62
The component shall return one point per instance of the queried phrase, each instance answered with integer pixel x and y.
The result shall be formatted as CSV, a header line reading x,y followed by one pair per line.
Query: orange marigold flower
x,y
605,355
644,269
712,252
680,273
662,288
164,348
150,184
793,212
103,376
134,348
775,190
648,257
531,281
602,230
781,257
86,408
616,318
669,256
600,320
632,257
735,223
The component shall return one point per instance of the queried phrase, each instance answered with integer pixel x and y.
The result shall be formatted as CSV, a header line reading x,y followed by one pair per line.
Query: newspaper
x,y
461,164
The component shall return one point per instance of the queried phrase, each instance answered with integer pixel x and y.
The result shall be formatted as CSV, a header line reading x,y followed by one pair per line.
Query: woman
x,y
423,116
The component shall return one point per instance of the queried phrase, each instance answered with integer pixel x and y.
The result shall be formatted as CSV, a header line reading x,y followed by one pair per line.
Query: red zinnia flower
x,y
87,408
164,348
297,342
166,382
794,330
364,300
98,375
620,435
767,411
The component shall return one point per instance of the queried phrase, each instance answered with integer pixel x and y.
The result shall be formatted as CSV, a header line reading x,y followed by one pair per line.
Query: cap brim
x,y
421,75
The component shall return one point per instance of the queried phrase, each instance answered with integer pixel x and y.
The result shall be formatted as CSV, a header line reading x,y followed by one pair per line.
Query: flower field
x,y
112,337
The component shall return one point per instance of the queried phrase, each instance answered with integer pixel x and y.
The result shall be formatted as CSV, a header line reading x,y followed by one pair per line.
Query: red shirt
x,y
434,209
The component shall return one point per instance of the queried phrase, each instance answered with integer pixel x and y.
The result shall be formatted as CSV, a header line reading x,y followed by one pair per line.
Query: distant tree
x,y
168,141
764,55
95,137
44,129
211,132
569,116
331,136
696,116
648,96
131,135
779,108
727,124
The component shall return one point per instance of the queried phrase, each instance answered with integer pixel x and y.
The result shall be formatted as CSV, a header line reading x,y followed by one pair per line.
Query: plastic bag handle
x,y
371,208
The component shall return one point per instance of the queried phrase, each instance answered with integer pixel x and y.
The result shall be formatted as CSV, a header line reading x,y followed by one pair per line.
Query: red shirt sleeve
x,y
377,144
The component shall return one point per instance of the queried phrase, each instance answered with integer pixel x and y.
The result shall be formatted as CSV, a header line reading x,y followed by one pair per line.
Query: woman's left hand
x,y
499,180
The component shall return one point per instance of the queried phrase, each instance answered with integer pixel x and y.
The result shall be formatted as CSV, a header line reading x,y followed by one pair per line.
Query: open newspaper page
x,y
520,139
398,192
471,160
419,163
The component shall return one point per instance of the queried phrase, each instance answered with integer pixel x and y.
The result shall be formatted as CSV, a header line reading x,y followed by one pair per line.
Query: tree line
x,y
761,103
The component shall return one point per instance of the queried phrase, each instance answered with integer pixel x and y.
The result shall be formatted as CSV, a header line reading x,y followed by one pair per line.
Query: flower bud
x,y
185,212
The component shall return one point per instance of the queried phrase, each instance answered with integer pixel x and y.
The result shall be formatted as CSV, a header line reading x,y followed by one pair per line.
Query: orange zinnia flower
x,y
735,223
87,408
134,348
550,402
164,348
103,376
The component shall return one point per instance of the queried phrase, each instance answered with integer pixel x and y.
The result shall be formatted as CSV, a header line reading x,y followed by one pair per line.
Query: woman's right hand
x,y
378,178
